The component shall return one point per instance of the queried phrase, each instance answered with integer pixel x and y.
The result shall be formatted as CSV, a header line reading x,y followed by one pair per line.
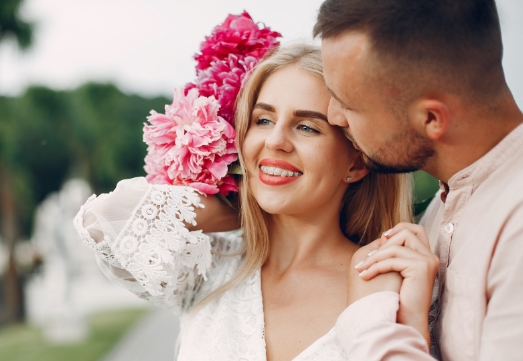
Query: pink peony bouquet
x,y
190,144
193,143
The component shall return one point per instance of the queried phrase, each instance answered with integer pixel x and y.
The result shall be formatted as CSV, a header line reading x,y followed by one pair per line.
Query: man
x,y
419,85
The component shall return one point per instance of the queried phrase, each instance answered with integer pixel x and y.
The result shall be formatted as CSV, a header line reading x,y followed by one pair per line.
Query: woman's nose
x,y
278,139
335,114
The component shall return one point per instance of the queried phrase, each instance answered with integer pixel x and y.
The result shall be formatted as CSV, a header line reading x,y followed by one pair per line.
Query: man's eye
x,y
345,108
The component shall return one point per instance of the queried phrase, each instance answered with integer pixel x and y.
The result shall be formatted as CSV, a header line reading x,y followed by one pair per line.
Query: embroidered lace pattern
x,y
103,248
232,327
156,248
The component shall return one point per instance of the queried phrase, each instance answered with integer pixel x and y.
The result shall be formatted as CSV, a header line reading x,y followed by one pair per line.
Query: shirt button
x,y
449,228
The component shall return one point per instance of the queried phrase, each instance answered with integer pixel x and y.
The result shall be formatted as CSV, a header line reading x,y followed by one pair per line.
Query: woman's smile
x,y
277,172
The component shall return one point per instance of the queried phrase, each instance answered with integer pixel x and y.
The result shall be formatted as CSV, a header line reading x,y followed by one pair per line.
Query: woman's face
x,y
296,161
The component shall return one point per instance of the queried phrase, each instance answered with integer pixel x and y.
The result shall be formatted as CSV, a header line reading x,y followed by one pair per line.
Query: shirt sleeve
x,y
139,235
368,331
502,331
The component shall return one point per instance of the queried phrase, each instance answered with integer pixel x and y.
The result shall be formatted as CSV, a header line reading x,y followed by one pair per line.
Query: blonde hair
x,y
369,207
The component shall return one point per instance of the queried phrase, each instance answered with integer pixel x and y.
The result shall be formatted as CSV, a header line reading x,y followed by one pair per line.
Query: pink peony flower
x,y
190,144
239,35
223,80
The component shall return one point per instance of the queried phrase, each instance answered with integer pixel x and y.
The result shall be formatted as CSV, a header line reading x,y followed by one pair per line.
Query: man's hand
x,y
405,249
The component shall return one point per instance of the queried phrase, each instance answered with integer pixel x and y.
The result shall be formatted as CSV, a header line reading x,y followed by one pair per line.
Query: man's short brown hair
x,y
458,41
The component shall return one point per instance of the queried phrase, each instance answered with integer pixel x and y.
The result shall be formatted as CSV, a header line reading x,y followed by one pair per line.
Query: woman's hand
x,y
405,249
217,216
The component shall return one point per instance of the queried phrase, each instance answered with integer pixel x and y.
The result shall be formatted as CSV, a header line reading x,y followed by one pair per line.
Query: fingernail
x,y
386,233
372,252
359,264
362,273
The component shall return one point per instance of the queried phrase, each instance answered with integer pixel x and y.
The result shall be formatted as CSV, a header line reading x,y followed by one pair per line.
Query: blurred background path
x,y
151,338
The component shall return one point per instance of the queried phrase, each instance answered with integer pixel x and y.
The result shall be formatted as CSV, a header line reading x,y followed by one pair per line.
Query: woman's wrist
x,y
421,325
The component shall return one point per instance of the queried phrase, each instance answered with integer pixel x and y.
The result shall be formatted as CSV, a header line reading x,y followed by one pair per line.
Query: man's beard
x,y
414,156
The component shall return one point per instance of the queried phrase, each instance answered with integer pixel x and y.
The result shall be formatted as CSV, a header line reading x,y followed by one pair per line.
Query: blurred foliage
x,y
93,132
12,25
25,343
425,186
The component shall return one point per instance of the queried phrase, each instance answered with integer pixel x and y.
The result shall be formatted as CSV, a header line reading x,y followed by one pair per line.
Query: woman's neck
x,y
297,242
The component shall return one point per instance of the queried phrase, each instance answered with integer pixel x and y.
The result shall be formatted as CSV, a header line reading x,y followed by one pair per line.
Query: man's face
x,y
369,107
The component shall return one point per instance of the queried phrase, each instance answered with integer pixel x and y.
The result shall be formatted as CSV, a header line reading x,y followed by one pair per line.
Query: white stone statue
x,y
70,285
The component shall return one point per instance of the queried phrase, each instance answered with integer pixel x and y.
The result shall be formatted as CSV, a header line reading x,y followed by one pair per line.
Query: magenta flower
x,y
227,56
239,35
190,144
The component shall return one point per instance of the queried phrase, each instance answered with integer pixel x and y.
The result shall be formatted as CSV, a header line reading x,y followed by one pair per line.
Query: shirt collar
x,y
478,171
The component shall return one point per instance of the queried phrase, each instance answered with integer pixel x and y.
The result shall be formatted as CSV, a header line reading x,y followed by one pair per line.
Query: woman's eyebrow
x,y
310,114
264,106
297,113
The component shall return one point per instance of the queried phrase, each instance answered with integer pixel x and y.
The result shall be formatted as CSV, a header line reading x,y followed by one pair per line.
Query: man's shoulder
x,y
507,180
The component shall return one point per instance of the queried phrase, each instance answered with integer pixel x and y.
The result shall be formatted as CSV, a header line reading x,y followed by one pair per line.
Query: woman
x,y
275,289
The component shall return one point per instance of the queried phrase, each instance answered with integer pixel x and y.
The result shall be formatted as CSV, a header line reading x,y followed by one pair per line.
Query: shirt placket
x,y
454,203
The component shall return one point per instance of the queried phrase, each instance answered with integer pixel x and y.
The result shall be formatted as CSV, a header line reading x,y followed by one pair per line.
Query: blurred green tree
x,y
11,178
12,25
93,132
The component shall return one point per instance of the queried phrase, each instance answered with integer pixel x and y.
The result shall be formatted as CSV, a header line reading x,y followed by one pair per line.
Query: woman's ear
x,y
357,171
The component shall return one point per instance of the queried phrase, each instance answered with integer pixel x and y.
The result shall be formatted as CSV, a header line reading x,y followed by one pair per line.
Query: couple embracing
x,y
320,260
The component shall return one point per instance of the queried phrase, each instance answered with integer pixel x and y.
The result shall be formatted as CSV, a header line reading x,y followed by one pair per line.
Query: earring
x,y
349,179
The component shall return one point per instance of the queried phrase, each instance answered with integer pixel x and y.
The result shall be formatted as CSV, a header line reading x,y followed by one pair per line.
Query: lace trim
x,y
155,244
102,249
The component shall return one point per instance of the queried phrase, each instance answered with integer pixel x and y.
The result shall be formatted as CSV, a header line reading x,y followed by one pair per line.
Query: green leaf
x,y
235,168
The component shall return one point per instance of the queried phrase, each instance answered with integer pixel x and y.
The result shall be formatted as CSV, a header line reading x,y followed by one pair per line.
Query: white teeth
x,y
279,172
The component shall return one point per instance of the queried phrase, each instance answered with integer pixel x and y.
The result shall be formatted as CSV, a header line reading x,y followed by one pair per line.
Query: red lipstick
x,y
275,179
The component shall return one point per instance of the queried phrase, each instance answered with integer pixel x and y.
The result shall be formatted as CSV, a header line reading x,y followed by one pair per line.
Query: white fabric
x,y
139,234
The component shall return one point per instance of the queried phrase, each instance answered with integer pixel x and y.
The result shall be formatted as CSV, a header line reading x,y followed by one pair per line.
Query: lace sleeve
x,y
139,234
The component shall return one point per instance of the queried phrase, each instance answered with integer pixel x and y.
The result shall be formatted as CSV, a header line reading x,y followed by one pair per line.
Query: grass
x,y
25,343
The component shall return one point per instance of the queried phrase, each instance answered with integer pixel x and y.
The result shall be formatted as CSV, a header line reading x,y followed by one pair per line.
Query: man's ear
x,y
358,169
431,117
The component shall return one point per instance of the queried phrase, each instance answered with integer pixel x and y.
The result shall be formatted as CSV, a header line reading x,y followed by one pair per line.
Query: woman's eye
x,y
262,121
307,129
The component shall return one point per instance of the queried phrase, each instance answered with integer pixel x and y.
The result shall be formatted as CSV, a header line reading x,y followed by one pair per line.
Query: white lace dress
x,y
139,235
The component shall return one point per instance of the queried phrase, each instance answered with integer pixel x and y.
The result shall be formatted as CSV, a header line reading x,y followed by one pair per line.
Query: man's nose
x,y
335,114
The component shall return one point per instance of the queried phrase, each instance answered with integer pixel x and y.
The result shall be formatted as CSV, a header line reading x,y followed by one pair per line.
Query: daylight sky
x,y
146,46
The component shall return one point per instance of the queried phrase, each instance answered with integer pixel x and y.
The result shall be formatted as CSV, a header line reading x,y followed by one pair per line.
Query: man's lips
x,y
349,137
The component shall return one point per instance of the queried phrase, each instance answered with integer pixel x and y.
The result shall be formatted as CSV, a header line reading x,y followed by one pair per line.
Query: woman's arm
x,y
215,216
147,238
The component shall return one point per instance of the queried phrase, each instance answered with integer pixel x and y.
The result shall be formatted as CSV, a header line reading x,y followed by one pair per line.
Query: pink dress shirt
x,y
475,226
